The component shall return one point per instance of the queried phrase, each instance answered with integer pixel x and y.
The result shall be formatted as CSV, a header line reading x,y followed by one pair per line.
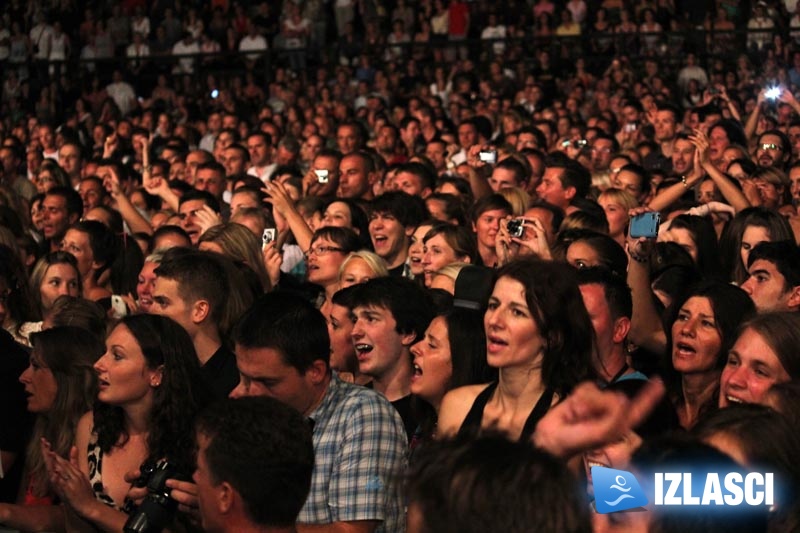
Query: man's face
x,y
502,178
207,490
260,151
769,151
91,193
214,122
386,140
189,223
601,154
167,302
526,140
682,157
263,372
794,177
665,126
768,288
70,159
437,153
467,136
347,139
9,162
379,347
594,299
56,219
47,138
794,138
411,184
551,189
211,181
34,160
193,160
389,238
353,178
233,161
410,133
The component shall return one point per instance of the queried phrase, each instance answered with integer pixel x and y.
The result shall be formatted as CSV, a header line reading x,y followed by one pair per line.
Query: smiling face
x,y
512,336
145,286
123,375
40,385
389,238
337,214
487,226
752,368
433,366
615,454
696,341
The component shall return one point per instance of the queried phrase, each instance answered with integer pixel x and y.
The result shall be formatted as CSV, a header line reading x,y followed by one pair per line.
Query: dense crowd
x,y
472,250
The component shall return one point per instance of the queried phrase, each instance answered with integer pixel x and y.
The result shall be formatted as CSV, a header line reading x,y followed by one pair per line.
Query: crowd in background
x,y
463,240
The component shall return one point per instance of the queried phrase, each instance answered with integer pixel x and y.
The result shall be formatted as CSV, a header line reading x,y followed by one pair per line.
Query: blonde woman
x,y
361,266
518,198
616,204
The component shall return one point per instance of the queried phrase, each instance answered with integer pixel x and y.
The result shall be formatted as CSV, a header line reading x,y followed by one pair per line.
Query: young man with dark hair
x,y
357,175
190,205
61,207
416,179
608,301
774,282
254,463
563,180
389,315
393,218
282,351
510,172
192,288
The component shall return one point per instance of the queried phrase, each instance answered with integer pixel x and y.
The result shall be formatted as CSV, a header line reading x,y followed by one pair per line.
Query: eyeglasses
x,y
321,250
770,146
600,150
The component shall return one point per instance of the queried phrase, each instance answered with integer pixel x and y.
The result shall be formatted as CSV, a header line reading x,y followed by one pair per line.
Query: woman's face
x,y
343,355
416,250
37,215
750,238
512,336
59,279
123,375
696,340
487,226
356,271
45,181
616,214
717,143
337,214
324,261
752,368
77,243
581,255
145,285
682,237
438,253
40,385
433,366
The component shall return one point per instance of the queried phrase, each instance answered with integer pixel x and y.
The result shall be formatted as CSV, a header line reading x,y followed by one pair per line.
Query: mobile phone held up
x,y
645,225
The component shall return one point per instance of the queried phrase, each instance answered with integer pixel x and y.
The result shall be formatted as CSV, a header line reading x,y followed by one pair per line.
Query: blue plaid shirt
x,y
360,450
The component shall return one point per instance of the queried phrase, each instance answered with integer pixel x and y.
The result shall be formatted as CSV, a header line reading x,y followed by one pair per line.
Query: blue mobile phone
x,y
645,225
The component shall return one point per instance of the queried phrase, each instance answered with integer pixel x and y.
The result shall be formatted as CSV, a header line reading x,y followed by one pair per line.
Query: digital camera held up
x,y
156,511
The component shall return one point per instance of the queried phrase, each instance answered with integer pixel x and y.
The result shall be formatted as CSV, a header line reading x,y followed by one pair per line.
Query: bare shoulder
x,y
455,406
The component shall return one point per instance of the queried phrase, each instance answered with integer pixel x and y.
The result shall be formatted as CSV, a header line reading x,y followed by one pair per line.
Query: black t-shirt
x,y
403,406
220,372
15,421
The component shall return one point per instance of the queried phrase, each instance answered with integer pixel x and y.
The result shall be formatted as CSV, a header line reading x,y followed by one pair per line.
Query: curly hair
x,y
176,401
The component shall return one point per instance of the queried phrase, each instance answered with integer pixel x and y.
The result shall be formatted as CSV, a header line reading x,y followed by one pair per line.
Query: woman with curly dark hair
x,y
150,391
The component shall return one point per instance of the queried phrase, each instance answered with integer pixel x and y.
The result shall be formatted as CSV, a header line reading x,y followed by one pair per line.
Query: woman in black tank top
x,y
539,337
